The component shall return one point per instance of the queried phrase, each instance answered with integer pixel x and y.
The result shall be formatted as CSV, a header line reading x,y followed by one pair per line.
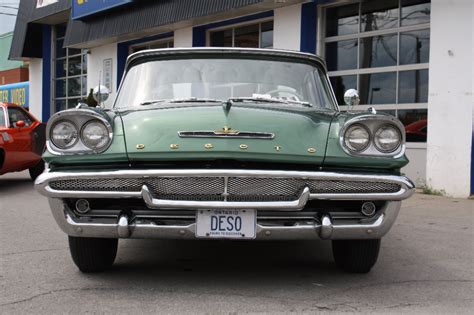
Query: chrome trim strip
x,y
329,229
42,182
153,203
236,135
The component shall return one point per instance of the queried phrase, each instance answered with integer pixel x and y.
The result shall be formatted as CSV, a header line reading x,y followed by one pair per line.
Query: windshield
x,y
197,81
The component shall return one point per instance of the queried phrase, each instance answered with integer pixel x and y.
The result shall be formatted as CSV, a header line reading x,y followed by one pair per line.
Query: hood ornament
x,y
226,107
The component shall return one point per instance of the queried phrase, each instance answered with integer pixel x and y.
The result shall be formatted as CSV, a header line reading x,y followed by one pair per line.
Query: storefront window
x,y
380,48
70,73
258,35
157,44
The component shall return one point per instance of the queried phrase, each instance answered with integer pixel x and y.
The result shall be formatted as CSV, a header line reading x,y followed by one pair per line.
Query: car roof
x,y
9,104
169,53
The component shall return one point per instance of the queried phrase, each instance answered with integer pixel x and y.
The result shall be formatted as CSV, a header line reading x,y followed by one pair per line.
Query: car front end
x,y
231,144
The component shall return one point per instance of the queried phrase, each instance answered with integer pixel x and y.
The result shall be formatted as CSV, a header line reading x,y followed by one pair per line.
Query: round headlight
x,y
95,135
357,138
63,134
387,139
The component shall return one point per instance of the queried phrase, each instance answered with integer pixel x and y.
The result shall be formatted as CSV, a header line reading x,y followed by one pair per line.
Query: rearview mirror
x,y
351,97
20,124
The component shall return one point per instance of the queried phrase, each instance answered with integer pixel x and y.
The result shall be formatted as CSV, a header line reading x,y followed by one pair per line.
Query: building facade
x,y
406,57
13,75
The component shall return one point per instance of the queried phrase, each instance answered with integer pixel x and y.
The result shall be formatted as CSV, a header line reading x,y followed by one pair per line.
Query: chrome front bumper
x,y
327,229
406,187
126,225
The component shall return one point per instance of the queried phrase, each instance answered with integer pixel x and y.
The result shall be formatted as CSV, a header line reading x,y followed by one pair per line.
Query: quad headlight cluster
x,y
78,131
373,135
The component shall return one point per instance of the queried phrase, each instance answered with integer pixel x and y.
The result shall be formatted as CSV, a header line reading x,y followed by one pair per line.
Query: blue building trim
x,y
46,86
124,47
472,161
199,32
309,17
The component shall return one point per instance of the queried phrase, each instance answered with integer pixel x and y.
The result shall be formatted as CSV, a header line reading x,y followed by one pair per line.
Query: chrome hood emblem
x,y
226,132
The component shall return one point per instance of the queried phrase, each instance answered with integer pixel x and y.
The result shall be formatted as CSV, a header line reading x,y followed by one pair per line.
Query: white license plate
x,y
235,224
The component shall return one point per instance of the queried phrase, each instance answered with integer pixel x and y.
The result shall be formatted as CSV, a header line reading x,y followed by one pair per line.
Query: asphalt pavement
x,y
425,266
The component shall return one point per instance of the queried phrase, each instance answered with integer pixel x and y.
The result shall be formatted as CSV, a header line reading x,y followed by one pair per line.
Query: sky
x,y
7,22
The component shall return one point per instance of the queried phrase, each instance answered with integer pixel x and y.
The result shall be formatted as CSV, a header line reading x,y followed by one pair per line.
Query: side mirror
x,y
351,97
20,124
100,93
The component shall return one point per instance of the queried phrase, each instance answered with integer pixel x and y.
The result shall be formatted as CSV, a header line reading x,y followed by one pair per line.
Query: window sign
x,y
83,8
16,93
107,73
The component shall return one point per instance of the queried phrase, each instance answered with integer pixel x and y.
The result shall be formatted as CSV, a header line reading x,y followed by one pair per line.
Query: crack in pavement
x,y
32,251
51,292
404,282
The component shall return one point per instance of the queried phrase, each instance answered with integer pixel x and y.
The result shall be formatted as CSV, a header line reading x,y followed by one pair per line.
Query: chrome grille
x,y
262,189
98,184
347,187
213,188
188,188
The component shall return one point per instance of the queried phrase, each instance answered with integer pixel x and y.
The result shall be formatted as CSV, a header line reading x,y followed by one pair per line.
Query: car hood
x,y
151,135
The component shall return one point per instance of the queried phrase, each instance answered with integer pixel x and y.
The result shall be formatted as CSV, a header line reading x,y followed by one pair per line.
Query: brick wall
x,y
13,76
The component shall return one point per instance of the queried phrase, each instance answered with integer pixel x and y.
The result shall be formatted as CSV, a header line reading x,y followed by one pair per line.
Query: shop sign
x,y
43,3
17,93
83,8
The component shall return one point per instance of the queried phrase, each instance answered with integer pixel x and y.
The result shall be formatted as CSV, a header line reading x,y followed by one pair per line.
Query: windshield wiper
x,y
267,100
182,100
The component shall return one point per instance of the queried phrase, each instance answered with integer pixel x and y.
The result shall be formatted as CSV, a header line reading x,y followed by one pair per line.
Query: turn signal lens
x,y
64,134
387,139
95,135
357,138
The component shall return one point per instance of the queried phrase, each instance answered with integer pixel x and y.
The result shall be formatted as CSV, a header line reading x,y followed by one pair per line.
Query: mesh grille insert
x,y
213,188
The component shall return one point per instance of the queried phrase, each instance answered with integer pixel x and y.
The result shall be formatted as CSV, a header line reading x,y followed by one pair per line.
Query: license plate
x,y
234,224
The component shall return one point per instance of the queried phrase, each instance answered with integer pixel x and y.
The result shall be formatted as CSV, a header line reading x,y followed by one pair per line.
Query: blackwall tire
x,y
93,254
36,170
356,256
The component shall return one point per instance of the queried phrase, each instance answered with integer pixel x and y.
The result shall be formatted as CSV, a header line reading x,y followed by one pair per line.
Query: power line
x,y
8,7
9,14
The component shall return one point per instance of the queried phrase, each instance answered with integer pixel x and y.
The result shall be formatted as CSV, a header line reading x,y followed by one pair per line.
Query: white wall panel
x,y
95,68
183,37
450,101
36,87
287,27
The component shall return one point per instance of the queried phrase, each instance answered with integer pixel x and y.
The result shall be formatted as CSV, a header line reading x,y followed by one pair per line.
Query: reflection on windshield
x,y
197,81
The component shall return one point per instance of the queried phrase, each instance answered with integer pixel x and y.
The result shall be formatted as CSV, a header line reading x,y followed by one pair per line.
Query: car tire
x,y
36,170
356,256
93,254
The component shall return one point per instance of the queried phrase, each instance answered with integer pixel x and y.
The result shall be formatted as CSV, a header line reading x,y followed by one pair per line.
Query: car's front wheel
x,y
36,170
357,256
93,254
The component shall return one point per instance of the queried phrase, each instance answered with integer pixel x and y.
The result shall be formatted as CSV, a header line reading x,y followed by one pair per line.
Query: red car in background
x,y
22,141
417,131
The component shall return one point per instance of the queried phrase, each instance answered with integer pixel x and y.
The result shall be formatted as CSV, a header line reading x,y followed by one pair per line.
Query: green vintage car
x,y
217,143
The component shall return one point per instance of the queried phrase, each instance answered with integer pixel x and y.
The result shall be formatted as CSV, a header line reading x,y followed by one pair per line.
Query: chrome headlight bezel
x,y
348,131
73,125
83,137
80,118
379,130
373,122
